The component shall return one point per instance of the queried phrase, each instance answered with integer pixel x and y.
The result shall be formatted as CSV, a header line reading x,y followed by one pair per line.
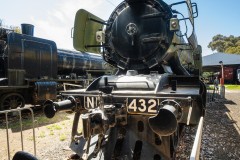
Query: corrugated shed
x,y
215,58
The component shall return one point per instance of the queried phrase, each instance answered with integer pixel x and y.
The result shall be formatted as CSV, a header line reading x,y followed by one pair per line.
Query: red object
x,y
228,73
221,81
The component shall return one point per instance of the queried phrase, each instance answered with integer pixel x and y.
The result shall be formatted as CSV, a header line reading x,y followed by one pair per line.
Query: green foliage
x,y
230,44
16,29
207,74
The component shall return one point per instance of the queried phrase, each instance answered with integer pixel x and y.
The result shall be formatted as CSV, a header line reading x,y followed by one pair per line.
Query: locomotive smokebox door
x,y
141,39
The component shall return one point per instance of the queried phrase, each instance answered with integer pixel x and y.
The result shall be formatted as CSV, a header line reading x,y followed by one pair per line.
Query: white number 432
x,y
142,105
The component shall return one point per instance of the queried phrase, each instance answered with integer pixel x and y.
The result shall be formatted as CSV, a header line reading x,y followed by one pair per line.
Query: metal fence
x,y
213,95
6,114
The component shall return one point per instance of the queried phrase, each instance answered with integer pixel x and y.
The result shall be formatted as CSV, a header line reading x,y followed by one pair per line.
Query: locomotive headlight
x,y
174,24
100,36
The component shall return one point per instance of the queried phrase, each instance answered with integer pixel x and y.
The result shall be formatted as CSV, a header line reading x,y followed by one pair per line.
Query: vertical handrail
x,y
20,122
33,126
6,116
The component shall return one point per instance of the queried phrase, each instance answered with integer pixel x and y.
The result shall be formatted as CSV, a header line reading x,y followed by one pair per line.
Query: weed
x,y
54,127
62,137
42,134
30,138
51,133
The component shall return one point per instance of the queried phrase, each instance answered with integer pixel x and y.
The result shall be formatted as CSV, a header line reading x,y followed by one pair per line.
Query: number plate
x,y
90,102
142,106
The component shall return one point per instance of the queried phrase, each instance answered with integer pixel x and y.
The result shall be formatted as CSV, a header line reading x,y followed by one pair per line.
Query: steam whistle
x,y
166,121
50,107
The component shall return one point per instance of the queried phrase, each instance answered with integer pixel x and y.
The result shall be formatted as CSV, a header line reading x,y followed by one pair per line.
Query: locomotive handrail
x,y
195,153
70,84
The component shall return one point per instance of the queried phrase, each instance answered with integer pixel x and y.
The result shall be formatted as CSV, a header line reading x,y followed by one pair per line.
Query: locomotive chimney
x,y
27,29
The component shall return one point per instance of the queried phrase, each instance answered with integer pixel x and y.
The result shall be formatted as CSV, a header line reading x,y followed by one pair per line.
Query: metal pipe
x,y
7,135
195,154
20,121
165,122
34,135
50,107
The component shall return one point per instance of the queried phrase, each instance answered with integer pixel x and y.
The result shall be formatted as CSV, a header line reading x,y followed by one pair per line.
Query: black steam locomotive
x,y
32,69
139,112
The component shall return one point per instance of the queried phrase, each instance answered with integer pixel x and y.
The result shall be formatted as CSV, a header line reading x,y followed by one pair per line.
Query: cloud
x,y
59,20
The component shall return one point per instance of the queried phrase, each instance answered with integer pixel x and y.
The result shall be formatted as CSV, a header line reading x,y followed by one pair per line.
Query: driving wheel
x,y
11,101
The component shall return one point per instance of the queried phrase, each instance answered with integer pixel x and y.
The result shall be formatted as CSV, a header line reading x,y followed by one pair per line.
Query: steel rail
x,y
195,153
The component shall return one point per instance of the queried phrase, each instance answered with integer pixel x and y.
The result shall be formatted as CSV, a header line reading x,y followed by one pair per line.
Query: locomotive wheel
x,y
21,155
12,101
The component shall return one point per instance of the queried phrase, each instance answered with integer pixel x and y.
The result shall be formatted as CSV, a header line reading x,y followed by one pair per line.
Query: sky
x,y
54,19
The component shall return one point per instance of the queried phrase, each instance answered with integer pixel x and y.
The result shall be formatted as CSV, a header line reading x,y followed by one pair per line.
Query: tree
x,y
230,44
15,29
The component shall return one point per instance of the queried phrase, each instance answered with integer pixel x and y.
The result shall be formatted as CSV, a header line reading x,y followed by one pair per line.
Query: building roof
x,y
215,58
211,62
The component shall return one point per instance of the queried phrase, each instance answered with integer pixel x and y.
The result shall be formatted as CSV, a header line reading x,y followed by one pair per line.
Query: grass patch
x,y
62,137
26,123
42,134
39,120
51,133
232,87
227,86
210,87
30,138
54,127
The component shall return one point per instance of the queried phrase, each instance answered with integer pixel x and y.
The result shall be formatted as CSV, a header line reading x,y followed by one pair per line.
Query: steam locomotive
x,y
32,69
139,112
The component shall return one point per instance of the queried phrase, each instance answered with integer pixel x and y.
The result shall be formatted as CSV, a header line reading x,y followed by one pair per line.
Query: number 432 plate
x,y
142,106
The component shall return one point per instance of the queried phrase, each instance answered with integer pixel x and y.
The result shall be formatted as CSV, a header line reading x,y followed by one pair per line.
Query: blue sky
x,y
53,19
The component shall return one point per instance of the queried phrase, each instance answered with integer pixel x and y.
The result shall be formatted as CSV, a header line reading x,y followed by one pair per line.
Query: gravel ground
x,y
221,135
52,136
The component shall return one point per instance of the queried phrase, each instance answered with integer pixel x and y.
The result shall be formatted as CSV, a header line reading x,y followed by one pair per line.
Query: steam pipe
x,y
166,121
50,107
